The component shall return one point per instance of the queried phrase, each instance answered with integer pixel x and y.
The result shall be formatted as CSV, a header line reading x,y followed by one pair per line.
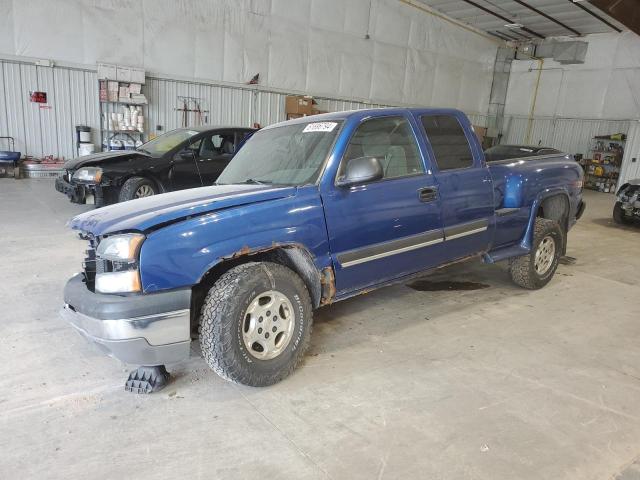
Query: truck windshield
x,y
170,140
286,155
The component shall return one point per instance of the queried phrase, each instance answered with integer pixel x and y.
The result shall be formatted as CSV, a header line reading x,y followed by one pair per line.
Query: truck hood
x,y
102,157
146,213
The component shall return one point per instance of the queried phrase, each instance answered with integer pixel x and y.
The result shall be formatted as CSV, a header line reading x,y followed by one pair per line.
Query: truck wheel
x,y
535,270
255,324
137,187
619,216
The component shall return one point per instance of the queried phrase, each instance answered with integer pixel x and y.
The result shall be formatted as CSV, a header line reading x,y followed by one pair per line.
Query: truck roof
x,y
371,112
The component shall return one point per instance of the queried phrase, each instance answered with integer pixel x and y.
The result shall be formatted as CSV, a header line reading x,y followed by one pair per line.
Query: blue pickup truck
x,y
310,212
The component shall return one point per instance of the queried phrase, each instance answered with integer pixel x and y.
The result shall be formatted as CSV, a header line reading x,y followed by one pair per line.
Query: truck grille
x,y
91,265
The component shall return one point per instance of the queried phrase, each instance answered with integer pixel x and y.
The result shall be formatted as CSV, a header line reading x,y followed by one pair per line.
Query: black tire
x,y
223,318
619,216
523,270
130,188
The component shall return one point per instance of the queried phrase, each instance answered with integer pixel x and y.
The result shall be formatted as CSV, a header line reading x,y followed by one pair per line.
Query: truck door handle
x,y
428,194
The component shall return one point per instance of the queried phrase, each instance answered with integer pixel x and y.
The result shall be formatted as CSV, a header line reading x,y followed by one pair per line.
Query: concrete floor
x,y
496,383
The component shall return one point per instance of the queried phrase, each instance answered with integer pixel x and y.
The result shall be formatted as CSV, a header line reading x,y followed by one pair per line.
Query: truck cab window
x,y
391,141
448,141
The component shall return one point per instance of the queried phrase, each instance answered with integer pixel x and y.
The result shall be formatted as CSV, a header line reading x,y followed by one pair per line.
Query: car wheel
x,y
618,215
255,324
137,187
535,270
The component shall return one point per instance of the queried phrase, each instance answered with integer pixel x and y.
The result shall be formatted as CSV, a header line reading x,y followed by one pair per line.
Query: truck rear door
x,y
387,228
464,183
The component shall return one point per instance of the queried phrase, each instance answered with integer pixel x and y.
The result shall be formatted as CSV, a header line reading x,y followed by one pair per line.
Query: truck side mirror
x,y
360,170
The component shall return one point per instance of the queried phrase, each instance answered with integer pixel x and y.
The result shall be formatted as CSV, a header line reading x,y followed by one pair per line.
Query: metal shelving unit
x,y
601,171
107,132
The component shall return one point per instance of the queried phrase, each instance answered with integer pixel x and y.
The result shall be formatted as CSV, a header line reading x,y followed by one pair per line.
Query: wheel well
x,y
151,178
556,207
295,258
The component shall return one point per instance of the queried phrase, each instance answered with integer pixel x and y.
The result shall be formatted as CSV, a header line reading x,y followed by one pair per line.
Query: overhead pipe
x,y
527,138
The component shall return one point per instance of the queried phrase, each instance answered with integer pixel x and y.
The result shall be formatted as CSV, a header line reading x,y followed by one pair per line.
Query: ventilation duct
x,y
567,53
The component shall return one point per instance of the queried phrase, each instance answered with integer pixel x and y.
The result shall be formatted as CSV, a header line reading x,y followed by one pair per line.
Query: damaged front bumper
x,y
78,193
143,329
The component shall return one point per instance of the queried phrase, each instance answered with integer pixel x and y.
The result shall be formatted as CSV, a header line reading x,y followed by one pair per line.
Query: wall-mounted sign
x,y
38,97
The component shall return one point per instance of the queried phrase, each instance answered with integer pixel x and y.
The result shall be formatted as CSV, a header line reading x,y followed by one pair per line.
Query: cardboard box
x,y
103,91
299,104
112,96
112,86
106,71
137,75
123,74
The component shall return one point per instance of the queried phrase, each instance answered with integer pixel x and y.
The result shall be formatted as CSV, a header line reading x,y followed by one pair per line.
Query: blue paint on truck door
x,y
464,184
386,228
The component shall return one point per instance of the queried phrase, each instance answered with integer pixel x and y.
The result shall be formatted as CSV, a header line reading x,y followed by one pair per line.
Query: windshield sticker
x,y
320,127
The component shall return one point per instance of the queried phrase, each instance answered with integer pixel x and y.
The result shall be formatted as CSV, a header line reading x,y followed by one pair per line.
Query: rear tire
x,y
255,324
137,187
619,216
535,270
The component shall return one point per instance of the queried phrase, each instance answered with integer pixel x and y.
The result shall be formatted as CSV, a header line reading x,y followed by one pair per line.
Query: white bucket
x,y
86,149
85,137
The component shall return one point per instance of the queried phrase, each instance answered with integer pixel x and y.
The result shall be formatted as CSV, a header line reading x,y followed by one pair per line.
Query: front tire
x,y
535,270
619,216
255,324
137,187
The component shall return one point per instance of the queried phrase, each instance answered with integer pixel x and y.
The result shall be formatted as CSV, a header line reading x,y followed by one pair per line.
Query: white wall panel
x,y
606,85
361,49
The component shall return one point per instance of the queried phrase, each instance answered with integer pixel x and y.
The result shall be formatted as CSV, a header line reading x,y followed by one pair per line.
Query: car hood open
x,y
146,213
99,158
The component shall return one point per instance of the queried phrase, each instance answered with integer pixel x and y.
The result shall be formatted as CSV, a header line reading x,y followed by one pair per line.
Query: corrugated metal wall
x,y
567,134
224,105
49,129
72,99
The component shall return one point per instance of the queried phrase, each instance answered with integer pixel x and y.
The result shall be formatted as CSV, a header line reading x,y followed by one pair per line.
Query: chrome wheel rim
x,y
144,191
267,326
545,255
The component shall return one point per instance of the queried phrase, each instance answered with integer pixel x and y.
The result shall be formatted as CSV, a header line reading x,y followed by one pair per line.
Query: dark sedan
x,y
182,158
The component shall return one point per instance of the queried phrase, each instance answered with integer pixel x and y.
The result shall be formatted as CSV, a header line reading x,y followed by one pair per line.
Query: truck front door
x,y
464,184
387,228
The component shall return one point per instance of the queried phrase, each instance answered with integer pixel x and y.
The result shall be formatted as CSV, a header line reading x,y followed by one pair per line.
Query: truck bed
x,y
518,182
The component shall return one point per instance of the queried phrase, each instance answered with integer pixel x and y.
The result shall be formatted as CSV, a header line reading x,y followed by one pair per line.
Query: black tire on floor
x,y
619,216
522,269
223,320
129,189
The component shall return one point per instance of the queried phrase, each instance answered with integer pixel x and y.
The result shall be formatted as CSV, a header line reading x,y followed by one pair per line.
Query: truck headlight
x,y
121,248
88,174
119,257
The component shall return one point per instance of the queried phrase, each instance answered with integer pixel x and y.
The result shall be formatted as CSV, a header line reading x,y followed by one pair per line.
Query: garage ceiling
x,y
528,19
